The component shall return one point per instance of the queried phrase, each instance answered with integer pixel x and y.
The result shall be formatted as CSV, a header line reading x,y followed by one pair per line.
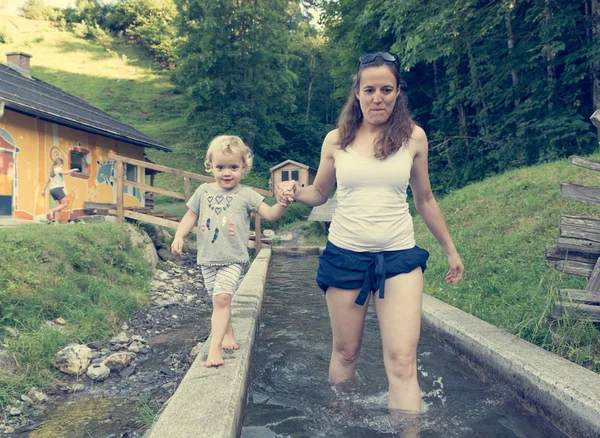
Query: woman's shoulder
x,y
332,140
418,139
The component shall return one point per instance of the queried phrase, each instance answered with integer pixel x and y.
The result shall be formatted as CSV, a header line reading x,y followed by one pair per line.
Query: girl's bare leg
x,y
220,320
229,342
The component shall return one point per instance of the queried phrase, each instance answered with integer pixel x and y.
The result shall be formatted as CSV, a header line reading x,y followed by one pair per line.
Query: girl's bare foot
x,y
229,342
215,357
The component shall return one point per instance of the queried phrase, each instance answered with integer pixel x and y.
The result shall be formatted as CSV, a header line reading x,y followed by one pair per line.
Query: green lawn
x,y
89,275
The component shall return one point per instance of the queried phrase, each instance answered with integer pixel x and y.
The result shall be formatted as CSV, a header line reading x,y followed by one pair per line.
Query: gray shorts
x,y
222,279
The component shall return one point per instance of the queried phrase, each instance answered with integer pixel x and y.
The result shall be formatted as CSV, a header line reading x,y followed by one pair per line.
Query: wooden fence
x,y
150,215
577,251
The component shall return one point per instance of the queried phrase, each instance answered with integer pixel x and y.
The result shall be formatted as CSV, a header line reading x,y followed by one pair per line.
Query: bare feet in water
x,y
229,342
215,356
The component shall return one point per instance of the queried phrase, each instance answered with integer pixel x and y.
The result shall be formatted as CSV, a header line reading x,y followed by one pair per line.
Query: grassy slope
x,y
501,227
89,275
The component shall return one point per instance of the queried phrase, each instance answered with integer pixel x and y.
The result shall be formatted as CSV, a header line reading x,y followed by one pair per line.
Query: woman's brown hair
x,y
397,128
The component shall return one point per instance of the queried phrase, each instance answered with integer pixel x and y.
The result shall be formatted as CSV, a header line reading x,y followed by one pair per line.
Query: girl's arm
x,y
185,226
271,213
428,207
68,172
45,187
318,192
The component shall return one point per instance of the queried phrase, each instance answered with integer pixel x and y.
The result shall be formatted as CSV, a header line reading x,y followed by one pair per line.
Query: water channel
x,y
289,395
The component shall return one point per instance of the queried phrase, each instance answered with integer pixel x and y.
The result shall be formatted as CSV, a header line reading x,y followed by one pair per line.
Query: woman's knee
x,y
221,301
402,366
347,352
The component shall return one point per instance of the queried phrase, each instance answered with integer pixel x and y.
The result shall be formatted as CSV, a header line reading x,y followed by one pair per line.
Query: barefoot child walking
x,y
222,211
56,179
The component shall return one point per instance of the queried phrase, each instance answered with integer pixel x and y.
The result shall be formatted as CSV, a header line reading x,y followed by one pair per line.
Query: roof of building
x,y
39,99
324,213
303,166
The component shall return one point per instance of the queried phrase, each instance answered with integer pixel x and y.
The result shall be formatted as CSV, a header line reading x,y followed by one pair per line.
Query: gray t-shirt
x,y
223,223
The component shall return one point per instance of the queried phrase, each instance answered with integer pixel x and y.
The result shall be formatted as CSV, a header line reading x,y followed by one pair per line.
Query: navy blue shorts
x,y
366,271
57,193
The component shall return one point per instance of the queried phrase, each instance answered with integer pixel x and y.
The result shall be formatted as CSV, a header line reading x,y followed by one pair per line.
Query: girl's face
x,y
227,169
377,94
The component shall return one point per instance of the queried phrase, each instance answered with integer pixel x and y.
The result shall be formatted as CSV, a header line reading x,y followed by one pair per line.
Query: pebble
x,y
26,399
15,411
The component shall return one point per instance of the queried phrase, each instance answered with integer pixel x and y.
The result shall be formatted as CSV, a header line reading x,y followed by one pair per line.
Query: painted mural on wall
x,y
40,142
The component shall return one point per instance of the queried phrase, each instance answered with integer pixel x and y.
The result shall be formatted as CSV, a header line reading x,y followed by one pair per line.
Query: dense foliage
x,y
496,85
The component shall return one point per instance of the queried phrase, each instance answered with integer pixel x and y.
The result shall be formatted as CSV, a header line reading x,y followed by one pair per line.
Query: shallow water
x,y
289,395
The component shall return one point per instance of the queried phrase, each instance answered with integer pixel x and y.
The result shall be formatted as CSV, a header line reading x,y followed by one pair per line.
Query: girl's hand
x,y
43,192
285,192
456,270
177,246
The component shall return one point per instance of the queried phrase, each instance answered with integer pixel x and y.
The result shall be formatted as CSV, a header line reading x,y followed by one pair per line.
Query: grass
x,y
501,227
89,275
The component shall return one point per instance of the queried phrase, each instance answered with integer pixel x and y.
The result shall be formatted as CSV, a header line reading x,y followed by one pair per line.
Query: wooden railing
x,y
123,212
577,251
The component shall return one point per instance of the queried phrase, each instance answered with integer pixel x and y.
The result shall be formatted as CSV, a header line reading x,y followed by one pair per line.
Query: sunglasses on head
x,y
386,56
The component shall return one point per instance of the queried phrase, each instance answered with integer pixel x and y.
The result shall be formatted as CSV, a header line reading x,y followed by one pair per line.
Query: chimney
x,y
19,61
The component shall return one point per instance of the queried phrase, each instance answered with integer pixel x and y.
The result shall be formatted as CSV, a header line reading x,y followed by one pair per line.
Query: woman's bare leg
x,y
399,315
347,322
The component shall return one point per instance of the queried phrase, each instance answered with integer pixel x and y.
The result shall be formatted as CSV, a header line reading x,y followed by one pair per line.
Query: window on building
x,y
285,175
131,172
78,161
295,175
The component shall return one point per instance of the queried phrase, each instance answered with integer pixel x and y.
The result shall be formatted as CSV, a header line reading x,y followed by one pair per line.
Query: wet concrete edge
x,y
566,393
209,402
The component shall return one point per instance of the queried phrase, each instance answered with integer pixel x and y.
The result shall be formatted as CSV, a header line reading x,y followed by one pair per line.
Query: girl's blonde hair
x,y
56,162
229,144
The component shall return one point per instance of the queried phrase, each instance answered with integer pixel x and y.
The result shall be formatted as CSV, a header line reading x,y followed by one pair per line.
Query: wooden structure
x,y
324,213
157,218
577,251
292,170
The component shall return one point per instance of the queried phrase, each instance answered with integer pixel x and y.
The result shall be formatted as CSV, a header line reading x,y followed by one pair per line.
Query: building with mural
x,y
38,123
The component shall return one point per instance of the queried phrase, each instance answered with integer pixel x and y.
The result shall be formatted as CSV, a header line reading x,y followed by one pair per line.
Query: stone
x,y
15,411
268,233
60,321
121,338
8,363
168,372
127,371
138,338
124,326
75,387
141,240
54,326
98,372
73,359
118,361
166,255
135,347
285,236
95,345
37,396
196,350
26,399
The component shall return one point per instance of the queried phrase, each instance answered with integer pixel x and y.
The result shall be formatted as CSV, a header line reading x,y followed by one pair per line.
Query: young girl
x,y
222,211
56,180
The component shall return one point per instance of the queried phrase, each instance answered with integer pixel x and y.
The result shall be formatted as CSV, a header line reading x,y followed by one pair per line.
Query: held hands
x,y
177,246
285,192
456,270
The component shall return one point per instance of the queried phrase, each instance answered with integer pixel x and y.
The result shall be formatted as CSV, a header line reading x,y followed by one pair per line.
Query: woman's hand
x,y
456,270
285,192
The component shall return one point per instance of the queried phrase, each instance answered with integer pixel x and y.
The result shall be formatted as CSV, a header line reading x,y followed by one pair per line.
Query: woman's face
x,y
377,94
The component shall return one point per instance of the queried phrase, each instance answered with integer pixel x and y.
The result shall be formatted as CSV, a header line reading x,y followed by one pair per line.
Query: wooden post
x,y
120,209
187,189
257,234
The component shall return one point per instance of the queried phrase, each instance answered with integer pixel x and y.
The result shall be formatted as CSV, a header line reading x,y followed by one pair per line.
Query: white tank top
x,y
372,212
57,181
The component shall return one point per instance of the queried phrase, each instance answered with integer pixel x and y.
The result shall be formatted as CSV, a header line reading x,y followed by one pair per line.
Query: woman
x,y
376,151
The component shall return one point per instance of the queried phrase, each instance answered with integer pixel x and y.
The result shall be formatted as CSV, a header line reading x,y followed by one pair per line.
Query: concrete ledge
x,y
209,401
292,250
566,393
